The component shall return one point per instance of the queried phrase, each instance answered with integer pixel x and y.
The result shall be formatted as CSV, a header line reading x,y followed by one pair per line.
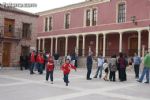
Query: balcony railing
x,y
14,33
10,33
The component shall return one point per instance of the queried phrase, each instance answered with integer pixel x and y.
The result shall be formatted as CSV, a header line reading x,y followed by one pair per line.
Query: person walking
x,y
89,64
49,69
113,68
66,70
136,62
100,62
146,70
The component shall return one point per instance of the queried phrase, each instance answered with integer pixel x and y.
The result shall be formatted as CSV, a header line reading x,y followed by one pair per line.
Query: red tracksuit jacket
x,y
66,68
50,66
40,59
32,58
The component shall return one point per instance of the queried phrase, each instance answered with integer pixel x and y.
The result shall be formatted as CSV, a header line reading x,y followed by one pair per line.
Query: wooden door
x,y
133,46
6,54
9,27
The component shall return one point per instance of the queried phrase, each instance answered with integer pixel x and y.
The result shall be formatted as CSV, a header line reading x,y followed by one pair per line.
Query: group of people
x,y
48,62
110,66
120,63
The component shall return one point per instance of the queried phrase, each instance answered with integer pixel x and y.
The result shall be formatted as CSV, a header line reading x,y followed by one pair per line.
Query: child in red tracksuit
x,y
50,69
66,70
40,60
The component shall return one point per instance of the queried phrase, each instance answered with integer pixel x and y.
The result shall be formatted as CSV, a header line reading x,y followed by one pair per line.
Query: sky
x,y
40,5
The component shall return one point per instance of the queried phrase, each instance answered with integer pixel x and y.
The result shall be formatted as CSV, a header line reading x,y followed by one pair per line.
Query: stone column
x,y
77,44
97,42
39,43
43,48
66,46
51,46
120,42
104,44
139,43
56,44
83,46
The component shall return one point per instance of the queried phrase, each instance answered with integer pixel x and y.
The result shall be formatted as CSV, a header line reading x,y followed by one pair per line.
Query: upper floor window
x,y
88,18
94,17
91,17
67,21
121,13
26,31
46,24
50,23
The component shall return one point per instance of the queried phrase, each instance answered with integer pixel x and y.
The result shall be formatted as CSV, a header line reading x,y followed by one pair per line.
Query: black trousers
x,y
89,70
112,76
122,74
49,73
136,70
66,80
21,66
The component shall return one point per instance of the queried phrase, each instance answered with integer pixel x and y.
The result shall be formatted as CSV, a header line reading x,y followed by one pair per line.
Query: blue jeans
x,y
145,72
66,80
40,68
99,71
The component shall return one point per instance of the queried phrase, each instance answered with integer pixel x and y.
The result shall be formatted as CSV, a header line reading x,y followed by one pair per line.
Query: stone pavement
x,y
20,85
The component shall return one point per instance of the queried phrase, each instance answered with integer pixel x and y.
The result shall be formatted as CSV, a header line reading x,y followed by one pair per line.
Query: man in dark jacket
x,y
89,66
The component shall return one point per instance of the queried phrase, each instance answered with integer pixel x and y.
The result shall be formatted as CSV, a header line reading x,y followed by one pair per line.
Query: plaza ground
x,y
20,85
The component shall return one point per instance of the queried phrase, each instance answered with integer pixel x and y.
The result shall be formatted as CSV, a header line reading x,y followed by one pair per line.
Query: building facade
x,y
100,26
17,34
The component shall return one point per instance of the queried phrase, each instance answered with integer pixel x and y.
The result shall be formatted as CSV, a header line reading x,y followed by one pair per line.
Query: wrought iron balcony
x,y
13,33
10,33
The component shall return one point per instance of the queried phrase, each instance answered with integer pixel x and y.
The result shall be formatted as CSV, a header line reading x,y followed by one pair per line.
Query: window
x,y
91,17
10,28
121,13
67,21
50,23
26,31
94,17
46,24
88,18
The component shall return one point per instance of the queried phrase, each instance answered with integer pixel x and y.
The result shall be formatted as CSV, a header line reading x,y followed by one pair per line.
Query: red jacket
x,y
50,66
40,59
66,68
32,57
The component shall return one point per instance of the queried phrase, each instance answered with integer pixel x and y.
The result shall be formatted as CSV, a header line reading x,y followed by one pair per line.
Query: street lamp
x,y
133,19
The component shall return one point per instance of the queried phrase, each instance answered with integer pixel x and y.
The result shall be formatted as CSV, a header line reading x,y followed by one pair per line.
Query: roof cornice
x,y
73,6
